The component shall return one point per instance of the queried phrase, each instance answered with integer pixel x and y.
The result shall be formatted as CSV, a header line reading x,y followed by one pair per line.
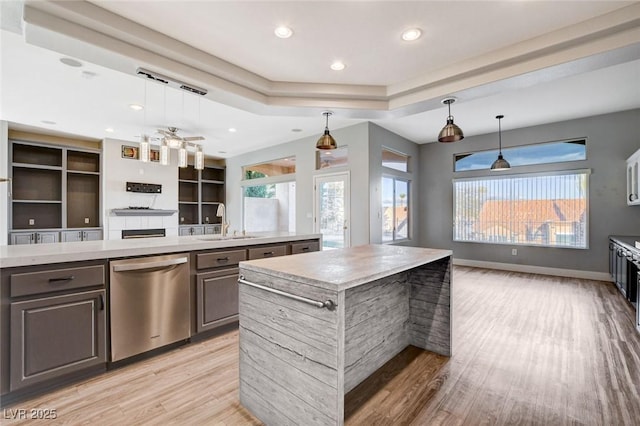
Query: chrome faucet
x,y
222,212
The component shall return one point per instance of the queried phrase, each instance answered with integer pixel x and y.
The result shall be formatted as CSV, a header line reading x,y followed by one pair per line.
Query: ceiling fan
x,y
174,140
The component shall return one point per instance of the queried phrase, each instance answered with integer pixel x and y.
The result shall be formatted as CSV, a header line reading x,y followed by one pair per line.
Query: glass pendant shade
x,y
199,161
500,164
164,153
145,149
450,132
182,156
326,141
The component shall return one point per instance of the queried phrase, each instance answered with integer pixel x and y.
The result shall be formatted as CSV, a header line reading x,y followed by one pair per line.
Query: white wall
x,y
355,137
4,186
117,171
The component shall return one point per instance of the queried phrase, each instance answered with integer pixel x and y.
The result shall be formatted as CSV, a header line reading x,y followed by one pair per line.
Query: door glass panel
x,y
401,210
332,212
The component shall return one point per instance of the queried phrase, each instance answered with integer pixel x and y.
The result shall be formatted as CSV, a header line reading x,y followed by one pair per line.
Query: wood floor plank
x,y
528,349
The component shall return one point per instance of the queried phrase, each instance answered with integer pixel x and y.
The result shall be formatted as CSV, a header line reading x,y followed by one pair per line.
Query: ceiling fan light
x,y
199,160
145,149
164,154
182,156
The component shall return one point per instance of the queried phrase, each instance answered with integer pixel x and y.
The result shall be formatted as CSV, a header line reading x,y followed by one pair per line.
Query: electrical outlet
x,y
86,220
206,219
514,252
32,221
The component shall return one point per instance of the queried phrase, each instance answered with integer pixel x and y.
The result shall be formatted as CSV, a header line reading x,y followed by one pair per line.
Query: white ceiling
x,y
265,87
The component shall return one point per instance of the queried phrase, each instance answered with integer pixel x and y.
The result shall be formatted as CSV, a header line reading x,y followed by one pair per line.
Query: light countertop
x,y
38,254
345,268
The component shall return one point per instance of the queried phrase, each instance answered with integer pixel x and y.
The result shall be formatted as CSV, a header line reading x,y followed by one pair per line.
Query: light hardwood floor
x,y
528,349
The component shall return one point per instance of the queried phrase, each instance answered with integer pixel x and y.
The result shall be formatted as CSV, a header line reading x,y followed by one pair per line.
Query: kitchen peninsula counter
x,y
40,254
352,310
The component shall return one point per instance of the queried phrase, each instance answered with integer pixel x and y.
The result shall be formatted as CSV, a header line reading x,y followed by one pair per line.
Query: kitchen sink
x,y
229,237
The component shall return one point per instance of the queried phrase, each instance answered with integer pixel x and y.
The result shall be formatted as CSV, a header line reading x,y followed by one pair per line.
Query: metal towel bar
x,y
329,304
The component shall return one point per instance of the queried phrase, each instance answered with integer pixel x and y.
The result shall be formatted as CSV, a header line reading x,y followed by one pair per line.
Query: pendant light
x,y
450,132
164,153
500,164
326,141
182,155
199,159
145,149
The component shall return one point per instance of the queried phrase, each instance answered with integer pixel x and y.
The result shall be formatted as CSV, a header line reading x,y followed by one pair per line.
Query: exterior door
x,y
332,210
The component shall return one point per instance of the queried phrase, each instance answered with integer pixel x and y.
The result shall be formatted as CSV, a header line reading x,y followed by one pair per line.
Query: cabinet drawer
x,y
268,251
56,280
304,247
220,258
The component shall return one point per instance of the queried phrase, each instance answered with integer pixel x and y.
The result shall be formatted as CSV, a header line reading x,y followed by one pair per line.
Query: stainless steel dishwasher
x,y
150,303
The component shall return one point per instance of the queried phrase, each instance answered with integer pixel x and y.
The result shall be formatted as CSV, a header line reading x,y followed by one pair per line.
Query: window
x,y
541,209
395,160
395,209
279,167
541,153
270,207
332,158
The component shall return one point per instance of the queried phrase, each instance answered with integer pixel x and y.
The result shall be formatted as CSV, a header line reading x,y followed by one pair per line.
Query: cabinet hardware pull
x,y
69,278
101,303
329,304
305,248
223,259
268,253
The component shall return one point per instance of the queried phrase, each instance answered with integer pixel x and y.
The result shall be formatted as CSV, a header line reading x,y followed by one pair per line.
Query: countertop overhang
x,y
345,268
38,254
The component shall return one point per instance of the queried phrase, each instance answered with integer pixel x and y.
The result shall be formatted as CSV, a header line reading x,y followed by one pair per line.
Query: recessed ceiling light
x,y
48,122
232,129
109,130
337,66
222,152
283,32
136,107
71,62
296,130
411,34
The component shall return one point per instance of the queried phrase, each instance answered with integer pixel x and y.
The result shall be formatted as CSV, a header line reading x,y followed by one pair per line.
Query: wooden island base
x,y
297,360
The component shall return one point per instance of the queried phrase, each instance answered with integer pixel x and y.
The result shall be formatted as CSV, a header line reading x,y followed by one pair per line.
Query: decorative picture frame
x,y
132,152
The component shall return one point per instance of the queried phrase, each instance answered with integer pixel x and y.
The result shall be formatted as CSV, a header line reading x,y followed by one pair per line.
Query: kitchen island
x,y
313,326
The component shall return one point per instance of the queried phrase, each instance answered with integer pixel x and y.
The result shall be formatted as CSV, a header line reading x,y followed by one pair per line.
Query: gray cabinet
x,y
41,237
263,252
54,323
52,187
81,235
200,193
54,336
191,230
216,287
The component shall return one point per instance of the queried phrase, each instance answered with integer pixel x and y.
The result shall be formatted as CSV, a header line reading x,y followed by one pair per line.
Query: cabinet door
x,y
217,298
184,230
197,230
54,336
212,229
23,238
70,236
92,235
47,237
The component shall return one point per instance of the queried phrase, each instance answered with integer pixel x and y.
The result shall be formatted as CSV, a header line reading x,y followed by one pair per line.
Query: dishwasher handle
x,y
150,265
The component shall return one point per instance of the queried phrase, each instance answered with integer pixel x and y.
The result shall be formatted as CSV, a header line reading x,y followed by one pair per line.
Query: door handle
x,y
150,265
101,303
55,280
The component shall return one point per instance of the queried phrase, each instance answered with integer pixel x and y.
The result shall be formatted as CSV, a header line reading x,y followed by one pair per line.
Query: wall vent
x,y
151,75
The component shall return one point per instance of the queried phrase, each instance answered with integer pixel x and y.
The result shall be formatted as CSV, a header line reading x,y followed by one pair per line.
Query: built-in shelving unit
x,y
53,188
200,192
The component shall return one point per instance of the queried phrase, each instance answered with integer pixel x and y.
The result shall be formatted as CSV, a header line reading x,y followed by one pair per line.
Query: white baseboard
x,y
559,272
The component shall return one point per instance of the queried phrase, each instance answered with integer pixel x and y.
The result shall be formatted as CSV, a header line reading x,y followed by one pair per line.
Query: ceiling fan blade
x,y
193,138
164,132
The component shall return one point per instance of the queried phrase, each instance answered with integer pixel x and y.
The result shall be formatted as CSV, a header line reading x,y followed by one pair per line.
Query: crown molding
x,y
102,37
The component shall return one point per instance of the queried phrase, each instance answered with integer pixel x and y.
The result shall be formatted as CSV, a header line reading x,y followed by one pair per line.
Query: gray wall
x,y
611,138
380,138
4,186
355,137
